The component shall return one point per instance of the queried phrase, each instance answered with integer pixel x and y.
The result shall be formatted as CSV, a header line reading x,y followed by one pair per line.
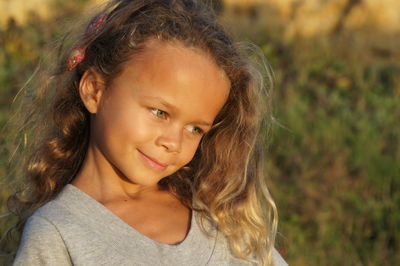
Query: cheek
x,y
189,151
132,123
124,128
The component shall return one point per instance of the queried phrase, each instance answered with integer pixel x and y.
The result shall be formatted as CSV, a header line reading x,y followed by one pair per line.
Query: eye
x,y
195,130
158,113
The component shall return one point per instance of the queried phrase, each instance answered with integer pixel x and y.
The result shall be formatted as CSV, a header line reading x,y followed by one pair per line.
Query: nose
x,y
171,139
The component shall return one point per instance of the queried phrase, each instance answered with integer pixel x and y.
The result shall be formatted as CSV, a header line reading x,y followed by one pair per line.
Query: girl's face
x,y
148,123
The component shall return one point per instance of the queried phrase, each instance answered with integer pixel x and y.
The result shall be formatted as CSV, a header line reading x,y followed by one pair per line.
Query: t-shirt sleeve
x,y
277,259
41,244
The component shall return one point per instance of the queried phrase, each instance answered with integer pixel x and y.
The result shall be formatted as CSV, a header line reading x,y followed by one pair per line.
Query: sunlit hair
x,y
224,182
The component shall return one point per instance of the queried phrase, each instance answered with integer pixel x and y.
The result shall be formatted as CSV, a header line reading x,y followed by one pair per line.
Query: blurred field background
x,y
333,156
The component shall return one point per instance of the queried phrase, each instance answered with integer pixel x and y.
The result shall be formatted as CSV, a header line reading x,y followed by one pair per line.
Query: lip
x,y
152,162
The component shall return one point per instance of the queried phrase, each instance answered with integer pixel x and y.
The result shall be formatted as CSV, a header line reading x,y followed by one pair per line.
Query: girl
x,y
147,148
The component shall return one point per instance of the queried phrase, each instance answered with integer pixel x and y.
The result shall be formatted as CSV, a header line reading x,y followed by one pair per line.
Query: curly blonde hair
x,y
225,181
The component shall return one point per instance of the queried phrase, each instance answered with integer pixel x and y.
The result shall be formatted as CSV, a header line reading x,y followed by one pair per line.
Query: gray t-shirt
x,y
75,229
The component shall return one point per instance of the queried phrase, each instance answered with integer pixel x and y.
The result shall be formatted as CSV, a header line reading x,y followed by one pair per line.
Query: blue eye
x,y
158,113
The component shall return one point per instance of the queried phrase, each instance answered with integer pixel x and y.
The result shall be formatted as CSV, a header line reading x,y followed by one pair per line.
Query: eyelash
x,y
156,112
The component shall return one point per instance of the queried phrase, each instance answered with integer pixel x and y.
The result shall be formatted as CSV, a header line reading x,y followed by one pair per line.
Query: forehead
x,y
156,54
188,78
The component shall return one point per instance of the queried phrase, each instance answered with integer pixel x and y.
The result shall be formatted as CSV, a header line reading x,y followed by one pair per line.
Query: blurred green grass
x,y
334,162
333,158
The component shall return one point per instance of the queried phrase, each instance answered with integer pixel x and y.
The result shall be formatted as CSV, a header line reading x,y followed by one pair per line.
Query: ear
x,y
91,89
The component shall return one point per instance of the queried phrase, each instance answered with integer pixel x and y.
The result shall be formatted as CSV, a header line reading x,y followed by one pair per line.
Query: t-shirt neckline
x,y
128,228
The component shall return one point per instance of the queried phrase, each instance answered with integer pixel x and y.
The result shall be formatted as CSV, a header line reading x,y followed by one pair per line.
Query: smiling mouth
x,y
152,162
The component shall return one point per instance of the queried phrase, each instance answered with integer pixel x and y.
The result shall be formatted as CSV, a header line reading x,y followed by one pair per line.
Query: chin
x,y
145,179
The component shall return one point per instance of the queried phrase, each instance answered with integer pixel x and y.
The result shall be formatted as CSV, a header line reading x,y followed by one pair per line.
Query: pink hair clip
x,y
78,54
96,24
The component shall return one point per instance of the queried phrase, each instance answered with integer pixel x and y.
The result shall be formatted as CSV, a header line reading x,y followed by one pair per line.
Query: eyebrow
x,y
174,108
